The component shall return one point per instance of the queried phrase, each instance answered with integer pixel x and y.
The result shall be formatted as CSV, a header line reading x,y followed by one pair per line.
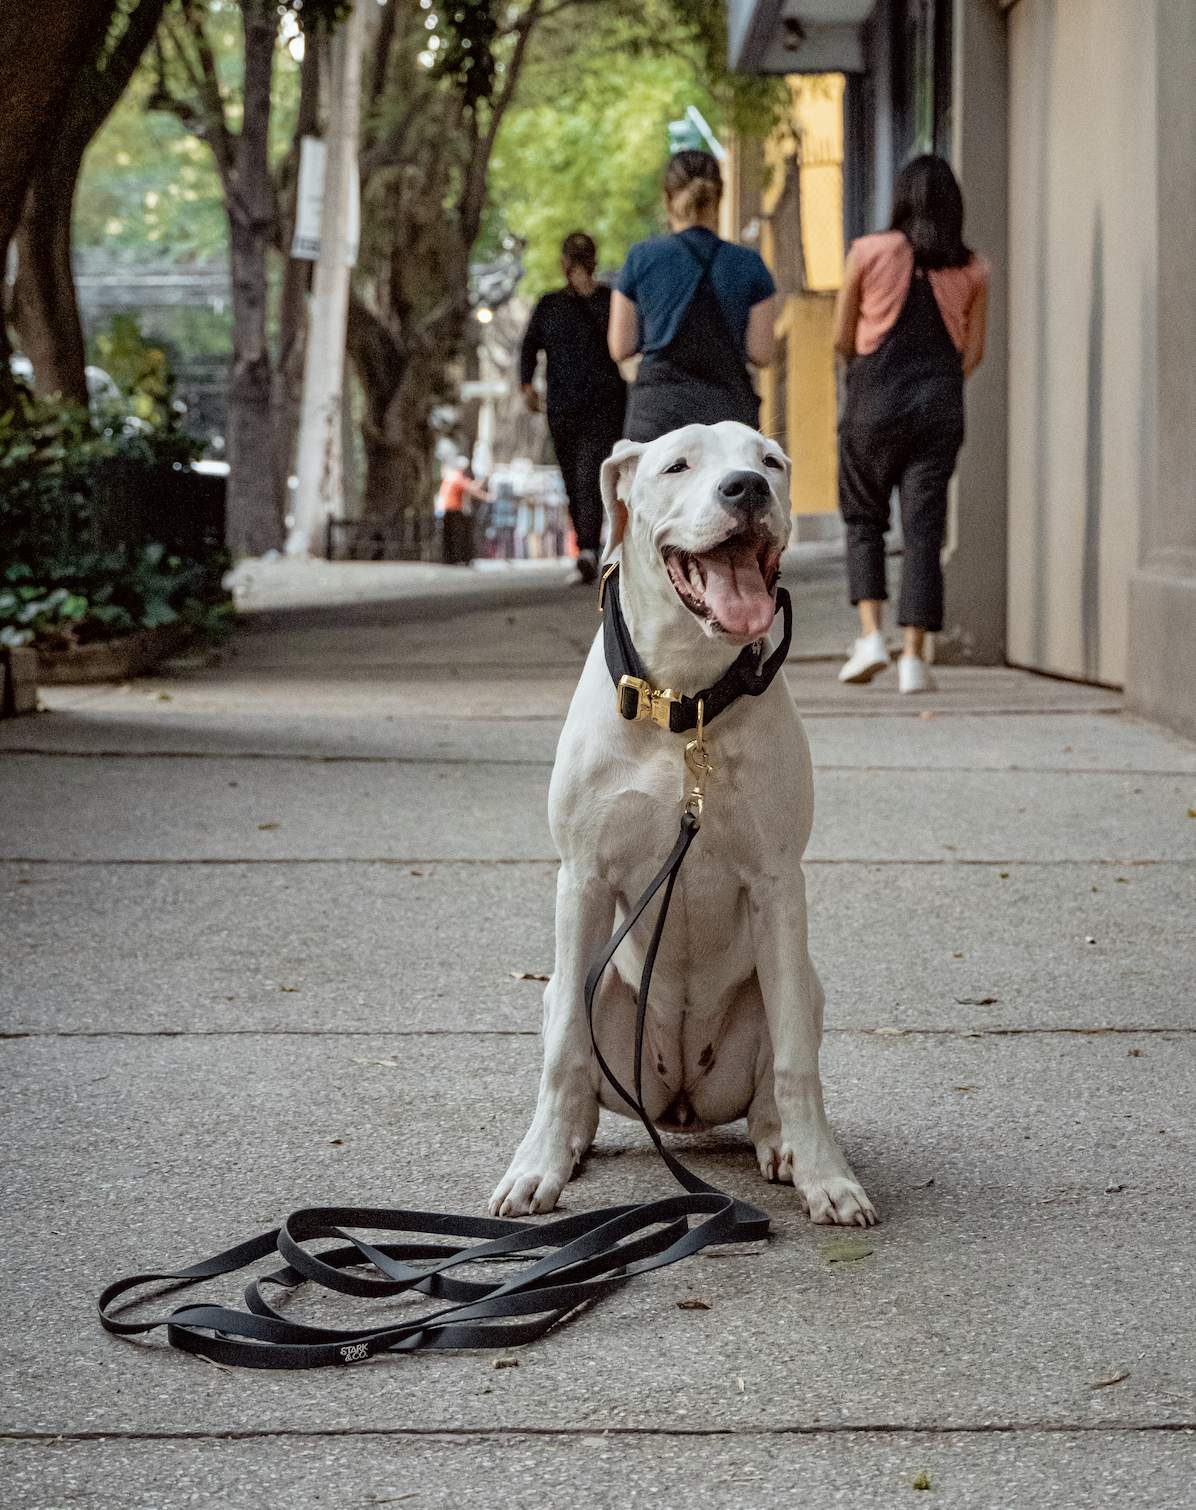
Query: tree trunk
x,y
44,309
44,312
404,354
292,305
43,45
255,521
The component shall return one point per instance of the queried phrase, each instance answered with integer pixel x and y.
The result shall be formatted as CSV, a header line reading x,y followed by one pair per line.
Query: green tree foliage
x,y
589,158
150,184
138,368
585,145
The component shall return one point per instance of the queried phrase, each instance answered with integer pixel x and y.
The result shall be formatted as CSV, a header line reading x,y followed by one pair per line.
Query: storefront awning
x,y
796,36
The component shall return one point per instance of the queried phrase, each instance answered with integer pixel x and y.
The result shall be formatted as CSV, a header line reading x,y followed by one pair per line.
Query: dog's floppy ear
x,y
618,473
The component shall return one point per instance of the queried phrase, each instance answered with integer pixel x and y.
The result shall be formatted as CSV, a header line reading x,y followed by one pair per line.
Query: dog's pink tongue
x,y
735,591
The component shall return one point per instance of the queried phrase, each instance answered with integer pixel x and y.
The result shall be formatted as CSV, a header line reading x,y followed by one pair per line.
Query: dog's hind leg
x,y
566,1117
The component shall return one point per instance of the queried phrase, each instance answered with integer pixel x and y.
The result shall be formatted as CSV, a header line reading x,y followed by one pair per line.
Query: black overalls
x,y
902,427
700,377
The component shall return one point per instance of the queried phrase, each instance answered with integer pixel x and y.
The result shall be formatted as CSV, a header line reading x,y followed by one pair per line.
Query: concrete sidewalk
x,y
262,923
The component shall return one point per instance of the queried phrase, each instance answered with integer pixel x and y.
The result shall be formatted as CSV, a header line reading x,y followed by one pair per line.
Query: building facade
x,y
1071,125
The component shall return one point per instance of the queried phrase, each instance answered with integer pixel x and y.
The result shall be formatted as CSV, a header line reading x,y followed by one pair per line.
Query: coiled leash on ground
x,y
592,1254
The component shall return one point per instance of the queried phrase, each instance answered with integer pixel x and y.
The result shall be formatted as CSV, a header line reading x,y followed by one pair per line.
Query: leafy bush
x,y
101,533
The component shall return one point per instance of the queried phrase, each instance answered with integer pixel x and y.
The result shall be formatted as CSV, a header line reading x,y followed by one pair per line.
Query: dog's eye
x,y
774,461
678,466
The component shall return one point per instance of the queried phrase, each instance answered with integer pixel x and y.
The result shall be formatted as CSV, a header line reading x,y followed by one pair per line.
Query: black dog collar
x,y
637,698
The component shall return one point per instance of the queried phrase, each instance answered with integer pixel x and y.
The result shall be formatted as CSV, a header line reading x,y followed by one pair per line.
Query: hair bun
x,y
693,184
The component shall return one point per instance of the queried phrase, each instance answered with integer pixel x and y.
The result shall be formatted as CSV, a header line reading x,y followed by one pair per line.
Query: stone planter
x,y
18,681
118,660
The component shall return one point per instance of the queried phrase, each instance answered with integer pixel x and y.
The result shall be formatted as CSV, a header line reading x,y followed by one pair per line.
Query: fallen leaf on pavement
x,y
692,1305
977,1001
269,825
927,1185
527,975
845,1253
1114,1189
1121,1374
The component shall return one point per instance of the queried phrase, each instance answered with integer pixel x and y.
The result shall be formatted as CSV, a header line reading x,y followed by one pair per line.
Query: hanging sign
x,y
309,205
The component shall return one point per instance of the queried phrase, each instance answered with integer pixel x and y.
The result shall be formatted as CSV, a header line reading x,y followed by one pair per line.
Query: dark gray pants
x,y
581,453
915,454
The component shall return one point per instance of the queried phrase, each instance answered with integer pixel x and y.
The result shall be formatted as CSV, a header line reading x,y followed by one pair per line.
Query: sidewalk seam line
x,y
300,759
880,1428
535,1032
537,860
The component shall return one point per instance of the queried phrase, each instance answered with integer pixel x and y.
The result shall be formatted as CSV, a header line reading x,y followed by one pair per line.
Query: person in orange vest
x,y
458,485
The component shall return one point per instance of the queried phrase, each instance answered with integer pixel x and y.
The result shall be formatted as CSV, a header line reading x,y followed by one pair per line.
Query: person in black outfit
x,y
586,395
910,322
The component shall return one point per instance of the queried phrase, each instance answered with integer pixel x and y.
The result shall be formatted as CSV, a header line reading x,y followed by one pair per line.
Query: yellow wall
x,y
818,110
802,381
810,420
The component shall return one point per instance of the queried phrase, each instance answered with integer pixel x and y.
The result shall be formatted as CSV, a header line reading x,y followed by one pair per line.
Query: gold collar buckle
x,y
637,698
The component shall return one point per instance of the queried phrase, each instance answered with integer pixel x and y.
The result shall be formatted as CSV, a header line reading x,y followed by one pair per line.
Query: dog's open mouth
x,y
732,585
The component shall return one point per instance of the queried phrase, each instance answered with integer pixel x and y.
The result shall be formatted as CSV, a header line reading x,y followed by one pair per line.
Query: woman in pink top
x,y
909,321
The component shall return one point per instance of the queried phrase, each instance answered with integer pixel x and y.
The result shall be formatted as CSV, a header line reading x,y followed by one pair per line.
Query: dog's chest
x,y
706,950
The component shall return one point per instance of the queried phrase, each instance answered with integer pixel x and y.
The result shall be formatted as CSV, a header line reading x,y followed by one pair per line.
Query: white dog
x,y
697,521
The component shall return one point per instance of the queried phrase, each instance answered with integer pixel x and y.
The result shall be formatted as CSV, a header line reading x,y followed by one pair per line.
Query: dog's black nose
x,y
743,492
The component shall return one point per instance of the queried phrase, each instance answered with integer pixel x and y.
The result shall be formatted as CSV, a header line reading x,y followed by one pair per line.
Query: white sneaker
x,y
913,675
868,656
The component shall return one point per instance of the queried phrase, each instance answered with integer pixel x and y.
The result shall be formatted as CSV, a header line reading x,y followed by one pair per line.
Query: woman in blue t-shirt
x,y
699,309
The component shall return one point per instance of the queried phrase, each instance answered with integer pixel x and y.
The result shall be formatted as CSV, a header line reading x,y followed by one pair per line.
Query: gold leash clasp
x,y
613,567
697,758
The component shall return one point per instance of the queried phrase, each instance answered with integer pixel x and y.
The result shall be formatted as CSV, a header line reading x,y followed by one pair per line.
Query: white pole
x,y
318,495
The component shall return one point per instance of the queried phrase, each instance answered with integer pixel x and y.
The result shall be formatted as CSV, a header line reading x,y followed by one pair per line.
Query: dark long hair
x,y
928,211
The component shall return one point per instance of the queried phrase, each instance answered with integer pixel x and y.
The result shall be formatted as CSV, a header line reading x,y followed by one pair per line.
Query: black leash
x,y
591,1255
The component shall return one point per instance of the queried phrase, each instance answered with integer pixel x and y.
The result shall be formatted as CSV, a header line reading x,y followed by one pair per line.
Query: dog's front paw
x,y
837,1200
833,1198
530,1185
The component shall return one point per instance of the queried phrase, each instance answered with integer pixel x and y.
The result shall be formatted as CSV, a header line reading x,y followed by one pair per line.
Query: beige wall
x,y
1082,277
974,561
